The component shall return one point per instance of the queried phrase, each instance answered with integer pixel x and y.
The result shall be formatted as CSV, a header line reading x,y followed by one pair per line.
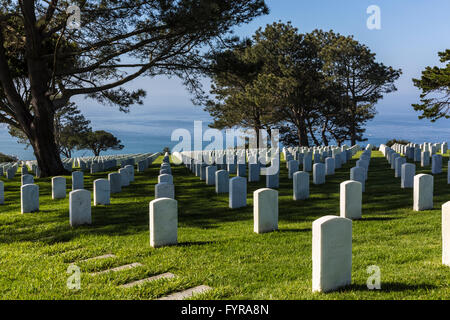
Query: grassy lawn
x,y
217,246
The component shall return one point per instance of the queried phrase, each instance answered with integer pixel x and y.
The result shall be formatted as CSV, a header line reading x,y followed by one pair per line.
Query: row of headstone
x,y
332,236
164,217
79,199
422,184
165,187
360,172
237,187
332,247
98,164
413,151
426,154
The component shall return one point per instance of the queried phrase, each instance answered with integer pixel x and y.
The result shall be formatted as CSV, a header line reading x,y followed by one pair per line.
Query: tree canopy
x,y
70,126
313,87
43,63
435,86
99,141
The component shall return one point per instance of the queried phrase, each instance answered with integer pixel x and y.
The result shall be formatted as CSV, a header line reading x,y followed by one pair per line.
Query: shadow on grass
x,y
379,219
195,243
295,230
391,287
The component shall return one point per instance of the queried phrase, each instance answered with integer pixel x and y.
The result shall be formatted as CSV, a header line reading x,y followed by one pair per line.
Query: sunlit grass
x,y
217,246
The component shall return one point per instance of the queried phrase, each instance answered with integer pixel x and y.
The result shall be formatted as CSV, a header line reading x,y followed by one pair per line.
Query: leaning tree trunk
x,y
302,133
42,140
353,134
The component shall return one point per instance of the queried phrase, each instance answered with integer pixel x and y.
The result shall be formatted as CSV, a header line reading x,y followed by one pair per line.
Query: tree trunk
x,y
311,132
324,133
41,136
303,134
353,133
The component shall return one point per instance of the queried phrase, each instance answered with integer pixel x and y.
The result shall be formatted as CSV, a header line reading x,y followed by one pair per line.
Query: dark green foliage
x,y
99,141
435,86
70,126
390,143
315,87
7,158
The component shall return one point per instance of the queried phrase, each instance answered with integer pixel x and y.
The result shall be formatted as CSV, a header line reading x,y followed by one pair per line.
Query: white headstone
x,y
301,185
446,234
27,179
222,181
125,177
58,188
351,200
358,174
408,172
265,210
423,192
292,168
238,193
425,159
168,178
398,166
331,253
319,173
164,190
211,175
130,169
77,180
115,182
436,164
79,208
29,198
102,192
329,166
163,222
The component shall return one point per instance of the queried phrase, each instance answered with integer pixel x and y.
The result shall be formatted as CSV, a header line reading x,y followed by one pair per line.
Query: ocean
x,y
141,133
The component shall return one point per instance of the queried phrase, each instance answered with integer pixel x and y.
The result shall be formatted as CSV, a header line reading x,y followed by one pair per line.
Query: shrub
x,y
390,143
7,158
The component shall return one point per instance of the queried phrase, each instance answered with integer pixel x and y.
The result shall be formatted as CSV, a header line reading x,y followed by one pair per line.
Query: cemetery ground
x,y
217,246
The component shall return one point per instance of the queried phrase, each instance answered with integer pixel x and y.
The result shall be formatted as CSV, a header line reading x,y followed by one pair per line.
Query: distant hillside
x,y
6,158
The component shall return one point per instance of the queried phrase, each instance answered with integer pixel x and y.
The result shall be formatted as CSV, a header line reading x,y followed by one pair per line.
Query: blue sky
x,y
412,32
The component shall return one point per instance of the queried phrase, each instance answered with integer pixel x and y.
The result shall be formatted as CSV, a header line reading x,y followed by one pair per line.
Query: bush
x,y
390,143
6,158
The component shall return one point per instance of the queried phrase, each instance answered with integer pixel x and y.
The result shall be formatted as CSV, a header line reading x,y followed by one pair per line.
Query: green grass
x,y
217,246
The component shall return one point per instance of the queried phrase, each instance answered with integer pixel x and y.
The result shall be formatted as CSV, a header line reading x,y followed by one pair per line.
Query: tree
x,y
361,81
7,158
391,142
314,87
270,79
99,141
237,100
43,64
435,86
292,71
70,125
